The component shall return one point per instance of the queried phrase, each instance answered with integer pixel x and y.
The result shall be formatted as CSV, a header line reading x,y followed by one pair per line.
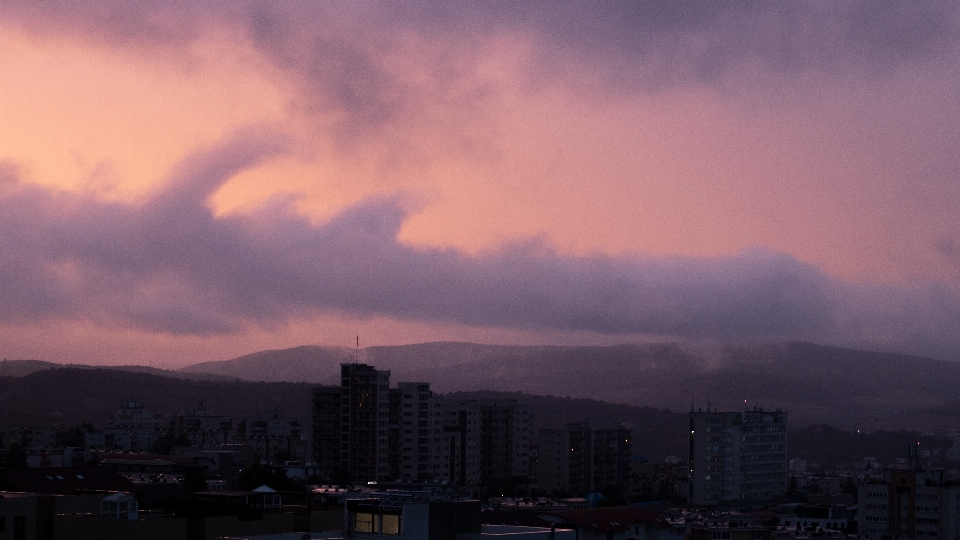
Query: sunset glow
x,y
181,183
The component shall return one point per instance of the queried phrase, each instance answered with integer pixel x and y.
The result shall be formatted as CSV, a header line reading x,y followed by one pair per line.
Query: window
x,y
366,522
19,527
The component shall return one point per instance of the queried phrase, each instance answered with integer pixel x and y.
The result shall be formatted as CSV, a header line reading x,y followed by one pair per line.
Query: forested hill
x,y
70,396
848,388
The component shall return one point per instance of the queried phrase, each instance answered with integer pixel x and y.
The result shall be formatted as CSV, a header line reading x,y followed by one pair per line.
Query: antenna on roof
x,y
358,343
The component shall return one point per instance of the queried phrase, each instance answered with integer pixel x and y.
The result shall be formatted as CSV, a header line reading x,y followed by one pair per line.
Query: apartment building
x,y
580,460
366,431
909,503
737,455
494,439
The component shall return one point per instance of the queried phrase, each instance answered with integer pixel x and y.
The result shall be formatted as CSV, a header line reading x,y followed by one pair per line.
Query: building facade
x,y
909,503
737,455
365,431
579,460
494,439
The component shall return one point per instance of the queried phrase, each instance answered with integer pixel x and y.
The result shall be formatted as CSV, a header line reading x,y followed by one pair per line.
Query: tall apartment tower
x,y
326,432
416,420
581,458
364,422
611,457
553,460
909,503
578,460
365,431
737,455
494,439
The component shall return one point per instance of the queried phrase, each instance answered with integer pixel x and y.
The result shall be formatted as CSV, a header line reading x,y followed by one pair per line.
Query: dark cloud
x,y
341,52
170,266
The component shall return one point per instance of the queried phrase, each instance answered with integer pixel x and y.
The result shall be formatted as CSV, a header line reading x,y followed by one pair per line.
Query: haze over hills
x,y
846,388
308,363
22,368
815,383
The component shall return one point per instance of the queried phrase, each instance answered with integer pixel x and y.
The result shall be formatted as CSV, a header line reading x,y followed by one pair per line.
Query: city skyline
x,y
182,183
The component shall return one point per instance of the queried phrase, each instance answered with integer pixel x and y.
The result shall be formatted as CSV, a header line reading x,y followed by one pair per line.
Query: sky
x,y
192,181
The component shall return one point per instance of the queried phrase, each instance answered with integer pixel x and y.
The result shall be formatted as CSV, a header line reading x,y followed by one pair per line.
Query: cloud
x,y
169,265
376,68
387,76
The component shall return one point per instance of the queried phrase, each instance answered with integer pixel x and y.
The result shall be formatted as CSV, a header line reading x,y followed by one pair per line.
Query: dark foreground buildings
x,y
365,431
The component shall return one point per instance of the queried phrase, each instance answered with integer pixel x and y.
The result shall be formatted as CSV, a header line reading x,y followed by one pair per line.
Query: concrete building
x,y
800,516
418,424
909,503
553,460
272,437
364,422
611,523
494,438
580,460
737,455
611,458
326,431
203,427
364,431
132,428
351,426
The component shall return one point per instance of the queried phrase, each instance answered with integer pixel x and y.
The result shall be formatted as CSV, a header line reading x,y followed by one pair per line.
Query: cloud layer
x,y
171,266
815,132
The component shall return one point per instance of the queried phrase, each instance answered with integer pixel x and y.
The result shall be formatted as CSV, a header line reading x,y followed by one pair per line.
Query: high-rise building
x,y
737,455
364,422
494,438
909,503
365,431
553,460
611,458
578,460
326,432
581,458
351,425
418,427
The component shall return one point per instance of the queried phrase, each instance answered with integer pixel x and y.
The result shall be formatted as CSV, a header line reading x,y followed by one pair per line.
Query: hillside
x,y
310,364
816,384
70,396
20,368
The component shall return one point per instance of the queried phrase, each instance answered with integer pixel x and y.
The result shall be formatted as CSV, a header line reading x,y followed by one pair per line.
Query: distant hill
x,y
311,364
814,383
19,368
70,396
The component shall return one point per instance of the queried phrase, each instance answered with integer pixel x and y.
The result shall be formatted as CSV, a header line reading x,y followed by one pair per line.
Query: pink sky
x,y
191,182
